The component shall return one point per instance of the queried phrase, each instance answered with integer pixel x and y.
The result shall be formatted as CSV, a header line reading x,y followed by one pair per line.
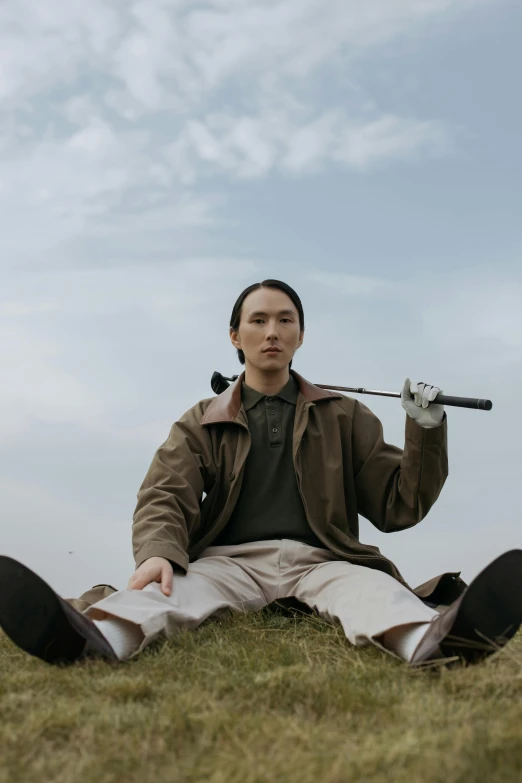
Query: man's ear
x,y
234,338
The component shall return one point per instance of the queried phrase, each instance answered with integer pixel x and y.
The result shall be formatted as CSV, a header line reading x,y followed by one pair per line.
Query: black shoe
x,y
482,620
42,623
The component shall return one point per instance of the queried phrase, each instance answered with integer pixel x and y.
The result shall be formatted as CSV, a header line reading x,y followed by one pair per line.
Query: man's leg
x,y
373,607
212,585
243,577
45,625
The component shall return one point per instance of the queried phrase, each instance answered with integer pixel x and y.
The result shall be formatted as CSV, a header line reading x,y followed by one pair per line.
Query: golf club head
x,y
218,383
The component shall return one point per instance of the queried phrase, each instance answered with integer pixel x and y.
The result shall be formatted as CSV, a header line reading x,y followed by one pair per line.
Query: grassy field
x,y
258,698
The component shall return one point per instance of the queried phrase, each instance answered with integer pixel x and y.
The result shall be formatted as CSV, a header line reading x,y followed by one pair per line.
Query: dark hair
x,y
235,318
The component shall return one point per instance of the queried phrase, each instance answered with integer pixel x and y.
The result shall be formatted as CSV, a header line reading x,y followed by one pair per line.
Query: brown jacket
x,y
343,466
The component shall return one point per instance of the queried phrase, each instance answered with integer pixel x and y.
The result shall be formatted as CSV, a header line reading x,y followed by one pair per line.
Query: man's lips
x,y
272,350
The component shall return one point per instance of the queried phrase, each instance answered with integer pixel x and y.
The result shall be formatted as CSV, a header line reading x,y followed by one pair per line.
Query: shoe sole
x,y
34,617
490,612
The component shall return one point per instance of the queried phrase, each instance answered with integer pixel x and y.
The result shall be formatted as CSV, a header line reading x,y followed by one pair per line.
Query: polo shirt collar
x,y
251,397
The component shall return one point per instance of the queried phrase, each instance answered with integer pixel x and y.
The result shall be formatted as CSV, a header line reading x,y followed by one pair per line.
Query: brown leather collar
x,y
225,407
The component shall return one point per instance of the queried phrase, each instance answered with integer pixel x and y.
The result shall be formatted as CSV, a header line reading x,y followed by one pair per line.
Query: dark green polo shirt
x,y
269,504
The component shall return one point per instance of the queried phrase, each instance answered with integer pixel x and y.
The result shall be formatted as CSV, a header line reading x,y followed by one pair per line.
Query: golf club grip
x,y
464,402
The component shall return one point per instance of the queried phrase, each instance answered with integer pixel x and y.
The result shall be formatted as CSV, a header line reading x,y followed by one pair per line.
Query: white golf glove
x,y
417,400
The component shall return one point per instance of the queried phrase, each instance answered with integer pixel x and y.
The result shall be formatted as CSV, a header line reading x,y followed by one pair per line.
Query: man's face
x,y
269,318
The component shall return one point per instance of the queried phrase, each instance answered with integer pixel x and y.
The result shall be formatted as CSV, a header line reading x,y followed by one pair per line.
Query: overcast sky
x,y
157,157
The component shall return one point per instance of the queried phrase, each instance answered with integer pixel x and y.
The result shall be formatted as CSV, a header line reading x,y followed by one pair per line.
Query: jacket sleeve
x,y
396,488
169,498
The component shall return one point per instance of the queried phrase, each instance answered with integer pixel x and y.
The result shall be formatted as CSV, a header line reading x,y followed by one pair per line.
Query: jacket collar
x,y
226,406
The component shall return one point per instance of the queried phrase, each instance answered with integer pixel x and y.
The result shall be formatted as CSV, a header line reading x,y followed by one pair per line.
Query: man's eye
x,y
260,320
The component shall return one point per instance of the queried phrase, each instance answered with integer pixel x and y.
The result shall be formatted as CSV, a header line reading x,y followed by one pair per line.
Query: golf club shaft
x,y
442,399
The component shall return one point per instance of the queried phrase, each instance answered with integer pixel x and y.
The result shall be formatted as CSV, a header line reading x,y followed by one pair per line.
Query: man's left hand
x,y
417,400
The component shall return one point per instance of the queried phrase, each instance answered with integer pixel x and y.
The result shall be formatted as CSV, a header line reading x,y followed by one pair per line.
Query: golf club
x,y
219,383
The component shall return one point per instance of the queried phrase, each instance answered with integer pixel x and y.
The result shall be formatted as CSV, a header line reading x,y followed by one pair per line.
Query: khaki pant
x,y
248,577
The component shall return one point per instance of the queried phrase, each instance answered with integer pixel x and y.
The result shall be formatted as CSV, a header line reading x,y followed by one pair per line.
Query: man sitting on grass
x,y
286,468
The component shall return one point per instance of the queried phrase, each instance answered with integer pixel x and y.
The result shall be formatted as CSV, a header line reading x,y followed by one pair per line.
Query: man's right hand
x,y
155,569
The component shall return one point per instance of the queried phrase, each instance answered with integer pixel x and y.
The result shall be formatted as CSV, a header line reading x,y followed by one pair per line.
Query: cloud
x,y
170,49
21,309
250,147
343,284
120,124
479,319
108,110
389,137
93,183
458,312
62,539
34,384
57,365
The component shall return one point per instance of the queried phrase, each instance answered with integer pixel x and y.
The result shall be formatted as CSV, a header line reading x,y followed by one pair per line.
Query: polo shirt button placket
x,y
274,436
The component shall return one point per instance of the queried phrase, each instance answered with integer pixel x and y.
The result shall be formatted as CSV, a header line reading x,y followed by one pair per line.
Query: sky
x,y
158,157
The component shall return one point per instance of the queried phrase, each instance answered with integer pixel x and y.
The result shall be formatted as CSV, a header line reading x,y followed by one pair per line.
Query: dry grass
x,y
258,698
